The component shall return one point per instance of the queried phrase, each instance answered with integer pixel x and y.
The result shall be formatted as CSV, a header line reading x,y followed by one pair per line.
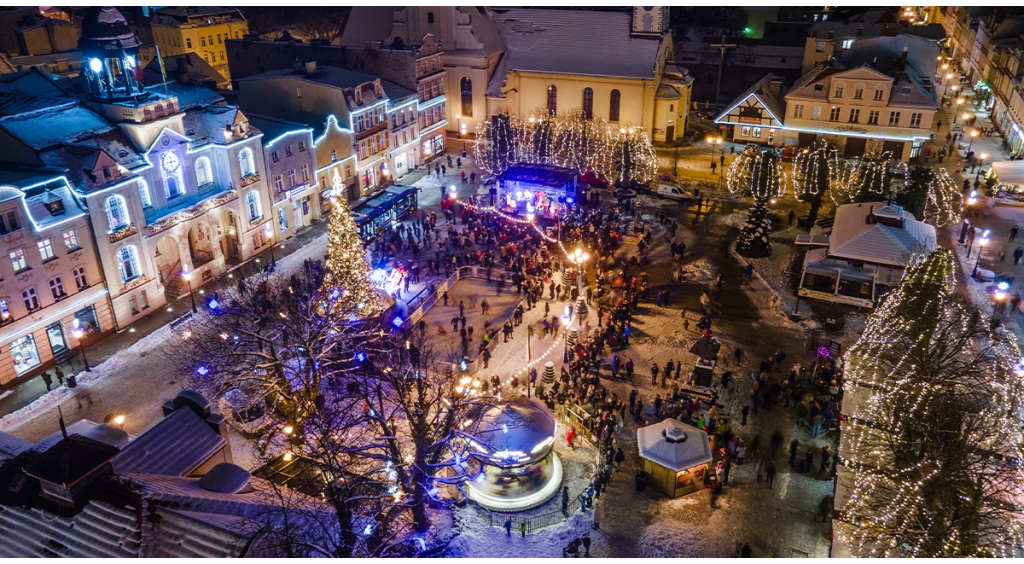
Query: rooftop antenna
x,y
63,427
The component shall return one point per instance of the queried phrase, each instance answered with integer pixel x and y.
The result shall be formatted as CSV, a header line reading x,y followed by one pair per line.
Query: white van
x,y
672,192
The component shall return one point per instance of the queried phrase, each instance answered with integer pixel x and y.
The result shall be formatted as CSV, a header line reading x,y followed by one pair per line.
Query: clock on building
x,y
170,162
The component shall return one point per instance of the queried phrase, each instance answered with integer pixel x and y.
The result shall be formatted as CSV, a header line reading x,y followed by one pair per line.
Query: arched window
x,y
252,201
613,107
117,212
246,164
588,103
466,87
204,173
128,263
144,197
552,100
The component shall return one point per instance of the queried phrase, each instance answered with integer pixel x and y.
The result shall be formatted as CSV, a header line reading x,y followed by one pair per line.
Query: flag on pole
x,y
163,70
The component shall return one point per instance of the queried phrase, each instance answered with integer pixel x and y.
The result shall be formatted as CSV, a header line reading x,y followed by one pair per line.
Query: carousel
x,y
514,462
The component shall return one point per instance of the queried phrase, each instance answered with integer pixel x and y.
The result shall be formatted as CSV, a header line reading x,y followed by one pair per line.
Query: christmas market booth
x,y
675,457
514,464
535,190
1009,176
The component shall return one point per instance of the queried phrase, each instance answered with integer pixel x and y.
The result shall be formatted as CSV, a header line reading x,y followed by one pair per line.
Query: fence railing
x,y
534,522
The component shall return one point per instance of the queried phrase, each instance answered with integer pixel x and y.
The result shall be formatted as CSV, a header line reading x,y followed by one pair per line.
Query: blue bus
x,y
385,209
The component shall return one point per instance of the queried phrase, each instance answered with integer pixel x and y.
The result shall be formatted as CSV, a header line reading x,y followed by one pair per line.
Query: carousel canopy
x,y
1009,172
674,445
517,432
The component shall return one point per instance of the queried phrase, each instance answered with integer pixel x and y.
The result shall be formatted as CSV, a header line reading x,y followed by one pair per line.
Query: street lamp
x,y
78,333
268,231
714,140
187,275
949,76
956,110
981,248
973,135
580,257
981,158
1000,295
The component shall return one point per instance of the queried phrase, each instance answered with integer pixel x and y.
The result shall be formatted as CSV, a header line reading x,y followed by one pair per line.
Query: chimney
x,y
903,57
181,69
831,34
860,30
814,33
310,67
775,87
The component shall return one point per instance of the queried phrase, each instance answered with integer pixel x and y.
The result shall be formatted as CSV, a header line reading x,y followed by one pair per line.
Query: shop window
x,y
86,320
25,354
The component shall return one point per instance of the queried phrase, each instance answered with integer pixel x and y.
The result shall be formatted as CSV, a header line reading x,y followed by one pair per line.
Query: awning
x,y
1009,172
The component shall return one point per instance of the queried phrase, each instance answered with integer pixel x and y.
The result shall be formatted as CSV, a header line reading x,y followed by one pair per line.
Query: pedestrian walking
x,y
654,374
586,543
794,445
728,468
508,527
825,457
60,375
47,379
769,472
598,514
744,412
620,457
570,436
522,528
565,501
759,470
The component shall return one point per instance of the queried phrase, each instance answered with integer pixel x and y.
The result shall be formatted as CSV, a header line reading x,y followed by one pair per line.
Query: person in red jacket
x,y
570,436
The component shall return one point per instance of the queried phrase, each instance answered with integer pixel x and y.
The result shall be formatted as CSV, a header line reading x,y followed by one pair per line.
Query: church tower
x,y
649,20
111,54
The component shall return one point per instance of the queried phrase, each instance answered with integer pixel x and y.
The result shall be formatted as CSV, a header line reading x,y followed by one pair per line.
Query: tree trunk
x,y
419,491
812,215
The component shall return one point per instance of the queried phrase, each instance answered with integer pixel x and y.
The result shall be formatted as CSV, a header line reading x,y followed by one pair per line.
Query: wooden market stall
x,y
675,457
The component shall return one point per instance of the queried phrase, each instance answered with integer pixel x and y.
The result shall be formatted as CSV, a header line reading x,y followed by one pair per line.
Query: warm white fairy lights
x,y
922,348
817,170
569,141
756,172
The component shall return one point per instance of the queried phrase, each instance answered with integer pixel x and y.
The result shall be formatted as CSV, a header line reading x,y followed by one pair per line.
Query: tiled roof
x,y
397,93
368,23
174,446
190,534
100,530
572,42
207,124
11,446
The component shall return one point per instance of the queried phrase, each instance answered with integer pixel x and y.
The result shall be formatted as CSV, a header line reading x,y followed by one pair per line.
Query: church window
x,y
613,108
467,96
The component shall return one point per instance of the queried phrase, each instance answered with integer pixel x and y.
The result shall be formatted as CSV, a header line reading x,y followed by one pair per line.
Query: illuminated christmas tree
x,y
817,170
346,269
756,173
633,156
935,450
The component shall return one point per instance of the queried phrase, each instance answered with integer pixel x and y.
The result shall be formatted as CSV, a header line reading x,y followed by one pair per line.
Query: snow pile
x,y
479,538
700,270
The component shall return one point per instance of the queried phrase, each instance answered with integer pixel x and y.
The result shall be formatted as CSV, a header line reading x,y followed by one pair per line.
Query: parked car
x,y
488,180
672,192
623,194
638,187
789,153
594,179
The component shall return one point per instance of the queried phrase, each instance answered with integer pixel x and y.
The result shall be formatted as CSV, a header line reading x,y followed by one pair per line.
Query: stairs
x,y
174,286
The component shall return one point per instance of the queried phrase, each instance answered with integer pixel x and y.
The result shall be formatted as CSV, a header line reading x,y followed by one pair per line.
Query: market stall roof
x,y
1009,172
706,347
679,448
540,174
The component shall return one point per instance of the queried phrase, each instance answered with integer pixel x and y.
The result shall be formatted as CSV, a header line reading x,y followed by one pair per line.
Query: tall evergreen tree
x,y
347,272
753,240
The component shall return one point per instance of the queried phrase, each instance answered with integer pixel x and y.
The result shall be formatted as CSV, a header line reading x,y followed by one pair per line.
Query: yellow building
x,y
201,30
616,65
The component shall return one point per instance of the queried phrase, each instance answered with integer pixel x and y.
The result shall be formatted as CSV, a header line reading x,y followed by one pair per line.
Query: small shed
x,y
675,455
1009,175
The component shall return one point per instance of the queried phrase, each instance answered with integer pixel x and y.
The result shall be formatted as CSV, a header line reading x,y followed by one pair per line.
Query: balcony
x,y
206,191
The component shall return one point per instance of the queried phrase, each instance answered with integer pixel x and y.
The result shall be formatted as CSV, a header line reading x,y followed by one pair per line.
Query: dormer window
x,y
819,87
53,204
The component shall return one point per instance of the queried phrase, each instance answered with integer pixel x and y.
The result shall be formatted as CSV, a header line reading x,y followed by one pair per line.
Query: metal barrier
x,y
534,522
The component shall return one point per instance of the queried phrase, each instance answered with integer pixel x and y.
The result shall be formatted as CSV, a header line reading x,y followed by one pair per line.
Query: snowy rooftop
x,y
11,446
49,123
572,42
176,445
854,239
99,531
690,446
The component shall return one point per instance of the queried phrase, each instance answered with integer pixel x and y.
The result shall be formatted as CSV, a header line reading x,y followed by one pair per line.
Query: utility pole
x,y
721,61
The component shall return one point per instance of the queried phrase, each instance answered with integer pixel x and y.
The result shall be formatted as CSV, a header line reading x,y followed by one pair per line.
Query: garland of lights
x,y
888,502
346,270
757,172
873,178
944,203
568,141
817,170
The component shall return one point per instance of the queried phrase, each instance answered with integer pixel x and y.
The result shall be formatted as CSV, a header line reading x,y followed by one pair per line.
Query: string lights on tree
x,y
817,170
633,156
756,173
347,273
935,447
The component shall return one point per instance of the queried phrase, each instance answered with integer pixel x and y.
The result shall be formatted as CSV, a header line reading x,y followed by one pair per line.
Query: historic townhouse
x,y
170,175
874,95
51,287
291,168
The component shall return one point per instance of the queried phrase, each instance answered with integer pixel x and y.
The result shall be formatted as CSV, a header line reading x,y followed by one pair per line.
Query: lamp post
x,y
981,248
714,140
268,231
956,107
981,158
1000,295
973,135
579,257
78,334
458,118
187,275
